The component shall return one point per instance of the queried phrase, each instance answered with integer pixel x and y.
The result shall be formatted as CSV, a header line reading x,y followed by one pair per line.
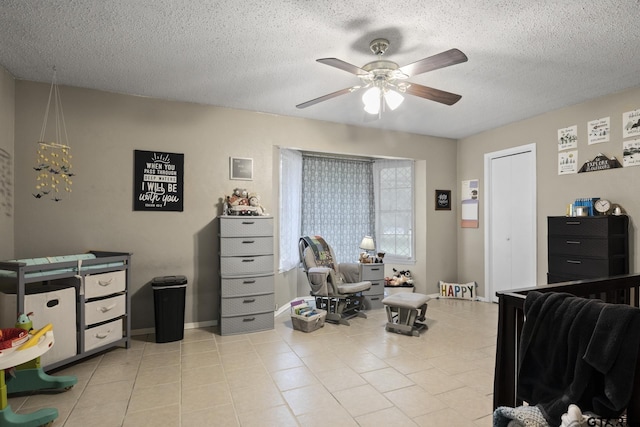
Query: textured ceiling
x,y
525,57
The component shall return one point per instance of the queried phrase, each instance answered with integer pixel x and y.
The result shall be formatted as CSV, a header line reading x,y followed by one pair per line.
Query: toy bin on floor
x,y
308,323
168,296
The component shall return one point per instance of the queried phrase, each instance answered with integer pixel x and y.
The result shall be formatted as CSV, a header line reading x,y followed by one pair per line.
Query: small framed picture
x,y
443,200
241,168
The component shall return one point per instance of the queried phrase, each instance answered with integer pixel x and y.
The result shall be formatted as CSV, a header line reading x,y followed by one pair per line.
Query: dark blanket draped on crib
x,y
577,350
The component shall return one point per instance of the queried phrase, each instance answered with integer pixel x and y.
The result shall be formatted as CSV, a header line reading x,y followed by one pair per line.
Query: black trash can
x,y
168,297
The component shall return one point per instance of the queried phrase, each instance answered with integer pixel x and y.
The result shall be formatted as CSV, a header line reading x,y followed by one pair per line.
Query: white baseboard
x,y
207,323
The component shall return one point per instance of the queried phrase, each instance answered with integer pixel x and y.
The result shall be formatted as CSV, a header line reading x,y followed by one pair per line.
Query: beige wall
x,y
105,128
554,192
7,120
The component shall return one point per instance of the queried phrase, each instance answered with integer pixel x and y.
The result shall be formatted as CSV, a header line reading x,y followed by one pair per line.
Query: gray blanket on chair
x,y
576,350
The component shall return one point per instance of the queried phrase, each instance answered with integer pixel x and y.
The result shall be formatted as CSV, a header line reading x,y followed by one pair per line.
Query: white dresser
x,y
247,300
373,273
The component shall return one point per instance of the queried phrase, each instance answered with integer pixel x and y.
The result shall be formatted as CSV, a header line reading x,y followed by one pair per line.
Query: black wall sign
x,y
158,181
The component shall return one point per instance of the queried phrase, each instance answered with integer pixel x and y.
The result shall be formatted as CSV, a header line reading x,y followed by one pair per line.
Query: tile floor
x,y
358,375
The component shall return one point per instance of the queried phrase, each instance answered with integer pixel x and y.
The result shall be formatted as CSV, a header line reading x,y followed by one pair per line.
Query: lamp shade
x,y
371,100
393,98
367,244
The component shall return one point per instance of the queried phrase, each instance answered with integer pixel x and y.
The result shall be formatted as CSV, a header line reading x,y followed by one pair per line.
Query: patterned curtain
x,y
338,203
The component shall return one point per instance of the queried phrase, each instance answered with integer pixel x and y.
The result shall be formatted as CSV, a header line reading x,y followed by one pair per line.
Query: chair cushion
x,y
352,288
406,300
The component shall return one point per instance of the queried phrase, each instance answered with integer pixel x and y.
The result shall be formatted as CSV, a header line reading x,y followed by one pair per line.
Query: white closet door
x,y
511,231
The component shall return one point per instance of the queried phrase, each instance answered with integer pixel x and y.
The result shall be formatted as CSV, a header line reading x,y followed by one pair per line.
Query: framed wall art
x,y
443,200
241,168
158,181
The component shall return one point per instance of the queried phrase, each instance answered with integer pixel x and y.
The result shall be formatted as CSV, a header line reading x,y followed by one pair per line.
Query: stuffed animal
x,y
254,202
401,278
365,258
238,203
378,259
24,322
239,197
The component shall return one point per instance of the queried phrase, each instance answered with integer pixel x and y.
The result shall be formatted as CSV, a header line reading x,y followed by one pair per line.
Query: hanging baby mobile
x,y
53,162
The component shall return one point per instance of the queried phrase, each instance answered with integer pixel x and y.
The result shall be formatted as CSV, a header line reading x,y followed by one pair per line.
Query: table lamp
x,y
367,244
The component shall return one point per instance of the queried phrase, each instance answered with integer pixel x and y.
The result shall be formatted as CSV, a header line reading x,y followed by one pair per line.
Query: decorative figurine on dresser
x,y
586,247
247,300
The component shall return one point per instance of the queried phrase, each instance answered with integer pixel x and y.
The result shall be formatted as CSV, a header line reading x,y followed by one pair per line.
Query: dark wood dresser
x,y
587,247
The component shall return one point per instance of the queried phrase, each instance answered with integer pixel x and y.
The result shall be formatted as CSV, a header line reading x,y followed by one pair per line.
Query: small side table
x,y
373,273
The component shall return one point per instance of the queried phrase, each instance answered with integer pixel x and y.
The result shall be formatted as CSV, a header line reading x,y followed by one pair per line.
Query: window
x,y
393,189
344,199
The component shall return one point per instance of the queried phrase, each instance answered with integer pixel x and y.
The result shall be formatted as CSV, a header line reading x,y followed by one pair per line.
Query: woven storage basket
x,y
309,324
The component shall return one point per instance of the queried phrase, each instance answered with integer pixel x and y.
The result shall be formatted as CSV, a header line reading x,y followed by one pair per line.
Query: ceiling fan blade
x,y
441,60
432,94
345,66
328,96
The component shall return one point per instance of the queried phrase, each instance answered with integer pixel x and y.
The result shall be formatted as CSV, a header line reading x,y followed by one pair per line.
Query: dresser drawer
x,y
102,335
247,304
104,309
371,272
232,246
586,267
98,285
373,301
581,246
246,265
247,286
377,288
587,226
248,323
246,226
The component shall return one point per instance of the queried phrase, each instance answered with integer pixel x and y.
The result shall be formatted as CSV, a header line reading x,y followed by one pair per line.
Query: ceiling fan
x,y
384,81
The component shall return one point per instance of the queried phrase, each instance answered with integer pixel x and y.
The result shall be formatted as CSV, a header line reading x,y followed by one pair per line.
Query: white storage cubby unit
x,y
88,303
247,300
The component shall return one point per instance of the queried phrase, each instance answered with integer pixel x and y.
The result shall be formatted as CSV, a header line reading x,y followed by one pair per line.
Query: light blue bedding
x,y
56,259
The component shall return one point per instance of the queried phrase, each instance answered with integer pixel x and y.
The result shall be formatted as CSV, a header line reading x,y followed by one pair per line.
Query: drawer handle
x,y
248,222
573,242
105,282
571,261
248,282
248,319
375,284
248,260
375,299
573,223
248,241
375,269
103,335
249,301
108,308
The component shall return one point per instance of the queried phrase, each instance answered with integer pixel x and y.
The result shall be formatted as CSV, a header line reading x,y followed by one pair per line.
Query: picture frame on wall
x,y
241,168
443,200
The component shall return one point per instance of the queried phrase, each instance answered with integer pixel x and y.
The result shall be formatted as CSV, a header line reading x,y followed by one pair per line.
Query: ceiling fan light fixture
x,y
393,98
371,100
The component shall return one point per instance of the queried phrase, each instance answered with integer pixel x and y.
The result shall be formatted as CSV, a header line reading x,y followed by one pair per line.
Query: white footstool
x,y
405,312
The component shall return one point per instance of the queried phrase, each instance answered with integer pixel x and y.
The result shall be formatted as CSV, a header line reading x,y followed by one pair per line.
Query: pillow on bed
x,y
457,290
